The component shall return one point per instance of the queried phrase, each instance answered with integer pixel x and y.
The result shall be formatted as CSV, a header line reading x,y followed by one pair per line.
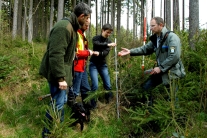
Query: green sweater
x,y
57,61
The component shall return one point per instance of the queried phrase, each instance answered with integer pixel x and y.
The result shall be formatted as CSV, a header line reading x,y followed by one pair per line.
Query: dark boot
x,y
70,101
108,97
87,106
93,103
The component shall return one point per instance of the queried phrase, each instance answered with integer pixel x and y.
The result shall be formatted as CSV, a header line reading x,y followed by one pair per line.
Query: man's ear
x,y
82,15
161,24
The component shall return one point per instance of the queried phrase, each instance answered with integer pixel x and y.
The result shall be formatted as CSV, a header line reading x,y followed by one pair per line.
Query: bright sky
x,y
202,12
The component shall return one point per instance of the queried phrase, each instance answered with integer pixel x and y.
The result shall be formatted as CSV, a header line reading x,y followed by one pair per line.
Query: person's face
x,y
106,33
86,25
155,28
82,19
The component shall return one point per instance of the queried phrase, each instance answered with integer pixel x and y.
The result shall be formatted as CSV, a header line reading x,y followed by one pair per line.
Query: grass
x,y
22,115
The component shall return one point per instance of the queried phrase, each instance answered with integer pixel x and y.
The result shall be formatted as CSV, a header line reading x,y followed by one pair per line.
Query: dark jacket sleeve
x,y
101,47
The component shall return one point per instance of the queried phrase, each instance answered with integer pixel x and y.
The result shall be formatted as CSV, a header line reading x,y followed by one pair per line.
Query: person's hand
x,y
156,70
124,52
90,52
63,85
95,53
112,44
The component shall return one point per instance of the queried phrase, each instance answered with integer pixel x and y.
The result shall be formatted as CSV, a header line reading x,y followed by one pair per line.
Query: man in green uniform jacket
x,y
169,65
57,63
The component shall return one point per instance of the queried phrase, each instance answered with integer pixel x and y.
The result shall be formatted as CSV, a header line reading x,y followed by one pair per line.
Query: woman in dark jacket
x,y
101,48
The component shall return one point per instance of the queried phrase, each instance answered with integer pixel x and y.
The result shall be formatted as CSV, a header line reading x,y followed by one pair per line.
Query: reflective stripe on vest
x,y
80,44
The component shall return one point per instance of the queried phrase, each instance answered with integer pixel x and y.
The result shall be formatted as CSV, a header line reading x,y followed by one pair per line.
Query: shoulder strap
x,y
162,41
164,38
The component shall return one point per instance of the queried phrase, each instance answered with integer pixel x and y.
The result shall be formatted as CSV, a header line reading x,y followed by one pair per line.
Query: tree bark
x,y
51,13
113,13
0,10
118,18
14,28
30,22
183,25
108,10
134,18
153,8
97,18
60,9
193,21
24,20
168,14
19,18
127,29
142,19
176,15
73,4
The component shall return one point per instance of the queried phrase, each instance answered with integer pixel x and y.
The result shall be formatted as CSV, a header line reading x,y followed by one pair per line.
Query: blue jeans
x,y
80,84
103,72
59,97
152,82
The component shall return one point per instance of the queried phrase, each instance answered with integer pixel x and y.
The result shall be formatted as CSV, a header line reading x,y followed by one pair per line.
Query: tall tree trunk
x,y
89,30
45,33
73,4
36,18
153,8
108,11
176,15
164,18
19,18
30,22
142,18
183,25
101,14
193,21
14,28
24,24
118,18
60,9
134,18
127,16
113,11
96,17
104,12
168,14
51,13
0,11
160,8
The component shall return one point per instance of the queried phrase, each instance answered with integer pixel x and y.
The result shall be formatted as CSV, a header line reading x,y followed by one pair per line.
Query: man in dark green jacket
x,y
57,63
169,64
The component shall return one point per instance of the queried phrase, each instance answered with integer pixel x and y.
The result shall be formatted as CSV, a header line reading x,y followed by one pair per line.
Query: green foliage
x,y
168,116
5,69
180,114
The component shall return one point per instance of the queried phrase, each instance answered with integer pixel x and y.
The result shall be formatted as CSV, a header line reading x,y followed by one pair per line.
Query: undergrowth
x,y
180,115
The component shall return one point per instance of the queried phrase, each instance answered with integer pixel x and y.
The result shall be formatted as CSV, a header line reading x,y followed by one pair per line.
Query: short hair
x,y
159,20
82,8
107,27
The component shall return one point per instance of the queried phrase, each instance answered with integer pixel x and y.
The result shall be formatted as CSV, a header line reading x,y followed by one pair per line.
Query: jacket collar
x,y
74,22
153,38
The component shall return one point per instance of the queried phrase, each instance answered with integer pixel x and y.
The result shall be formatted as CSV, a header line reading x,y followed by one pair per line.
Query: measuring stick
x,y
116,72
